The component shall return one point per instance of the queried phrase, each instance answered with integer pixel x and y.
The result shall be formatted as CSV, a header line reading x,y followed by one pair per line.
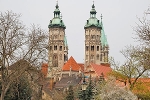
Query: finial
x,y
101,17
93,5
57,4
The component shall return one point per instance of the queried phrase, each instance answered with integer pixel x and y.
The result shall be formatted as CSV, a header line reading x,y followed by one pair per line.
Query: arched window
x,y
101,57
55,47
97,56
97,37
87,48
50,48
97,48
92,48
60,48
65,57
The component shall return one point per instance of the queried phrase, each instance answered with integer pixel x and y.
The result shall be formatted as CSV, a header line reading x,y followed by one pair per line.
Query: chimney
x,y
51,83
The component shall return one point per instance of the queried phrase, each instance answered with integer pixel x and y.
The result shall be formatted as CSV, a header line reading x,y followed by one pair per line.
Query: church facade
x,y
96,45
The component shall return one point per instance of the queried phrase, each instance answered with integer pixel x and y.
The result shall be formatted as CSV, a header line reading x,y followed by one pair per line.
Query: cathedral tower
x,y
58,47
96,46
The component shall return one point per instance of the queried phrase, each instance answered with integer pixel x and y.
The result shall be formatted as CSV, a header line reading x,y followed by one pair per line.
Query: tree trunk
x,y
2,92
2,96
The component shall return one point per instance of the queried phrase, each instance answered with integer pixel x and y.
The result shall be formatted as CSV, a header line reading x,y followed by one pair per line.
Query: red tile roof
x,y
81,65
143,80
71,63
99,69
142,86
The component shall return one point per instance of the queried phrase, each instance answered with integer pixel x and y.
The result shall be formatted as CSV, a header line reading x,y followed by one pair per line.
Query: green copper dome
x,y
92,21
56,21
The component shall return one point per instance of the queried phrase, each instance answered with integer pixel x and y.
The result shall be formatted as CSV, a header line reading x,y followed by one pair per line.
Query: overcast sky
x,y
119,16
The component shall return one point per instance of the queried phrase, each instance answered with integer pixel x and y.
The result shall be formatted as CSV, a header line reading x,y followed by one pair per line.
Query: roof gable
x,y
81,66
71,64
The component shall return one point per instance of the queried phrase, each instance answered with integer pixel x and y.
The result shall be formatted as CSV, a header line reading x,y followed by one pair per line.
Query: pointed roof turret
x,y
65,41
92,21
57,20
57,11
103,36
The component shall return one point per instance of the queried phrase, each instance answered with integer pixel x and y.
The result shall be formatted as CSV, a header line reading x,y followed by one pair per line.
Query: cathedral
x,y
62,71
96,45
60,67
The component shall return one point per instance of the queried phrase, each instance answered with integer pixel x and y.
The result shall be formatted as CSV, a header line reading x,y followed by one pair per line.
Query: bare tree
x,y
137,62
133,68
142,30
36,46
17,43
